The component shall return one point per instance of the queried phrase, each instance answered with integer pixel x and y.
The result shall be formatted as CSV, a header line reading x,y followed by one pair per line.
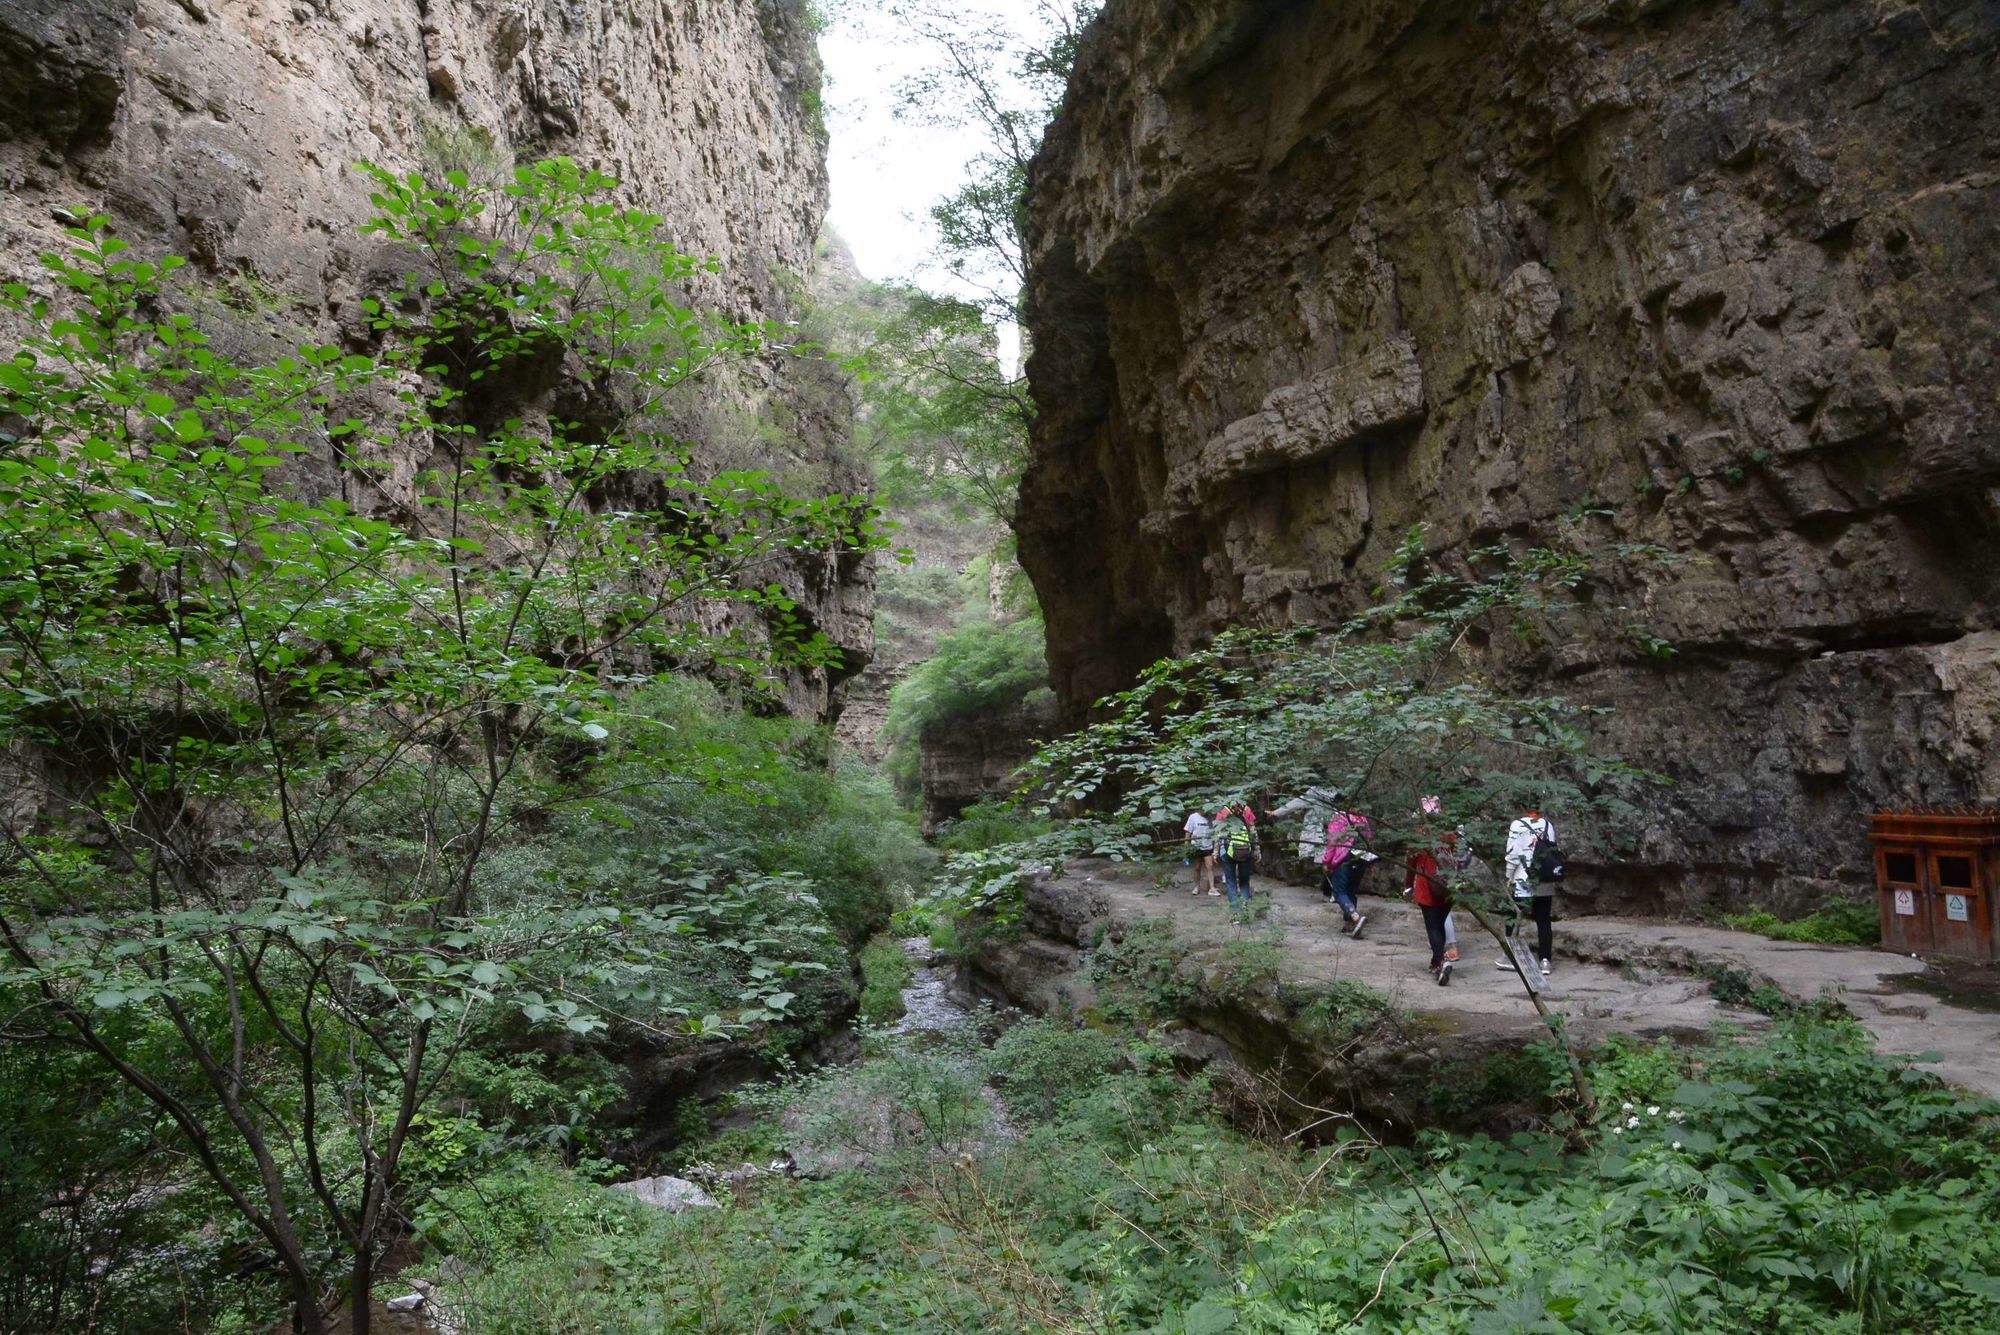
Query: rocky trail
x,y
1612,975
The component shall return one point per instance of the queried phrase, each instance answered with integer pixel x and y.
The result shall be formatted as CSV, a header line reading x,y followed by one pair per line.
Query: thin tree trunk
x,y
363,1281
1584,1097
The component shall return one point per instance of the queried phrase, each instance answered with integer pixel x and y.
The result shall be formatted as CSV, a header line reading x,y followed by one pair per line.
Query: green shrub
x,y
1245,965
987,824
1138,975
885,971
1843,924
1043,1066
980,667
1340,1011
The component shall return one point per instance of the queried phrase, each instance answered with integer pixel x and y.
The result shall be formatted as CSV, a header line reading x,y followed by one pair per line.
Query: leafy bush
x,y
1042,1066
980,667
989,824
1138,974
885,971
1834,925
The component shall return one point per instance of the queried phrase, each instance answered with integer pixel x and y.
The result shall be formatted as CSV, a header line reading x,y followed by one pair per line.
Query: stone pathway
x,y
1612,975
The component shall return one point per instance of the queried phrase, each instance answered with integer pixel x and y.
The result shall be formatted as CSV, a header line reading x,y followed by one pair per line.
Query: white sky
x,y
888,172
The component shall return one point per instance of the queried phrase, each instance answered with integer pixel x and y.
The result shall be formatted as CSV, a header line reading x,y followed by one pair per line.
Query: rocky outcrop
x,y
228,131
1295,1022
1717,277
972,759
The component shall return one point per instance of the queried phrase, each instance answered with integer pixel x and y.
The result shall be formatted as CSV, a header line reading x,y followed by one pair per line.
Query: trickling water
x,y
929,1006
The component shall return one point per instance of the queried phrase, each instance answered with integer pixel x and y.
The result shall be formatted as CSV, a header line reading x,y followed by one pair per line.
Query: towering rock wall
x,y
228,130
1721,275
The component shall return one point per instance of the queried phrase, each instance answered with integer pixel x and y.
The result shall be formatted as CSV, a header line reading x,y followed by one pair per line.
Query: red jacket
x,y
1419,875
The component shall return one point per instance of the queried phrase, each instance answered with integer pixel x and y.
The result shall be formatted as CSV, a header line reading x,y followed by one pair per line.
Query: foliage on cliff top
x,y
980,667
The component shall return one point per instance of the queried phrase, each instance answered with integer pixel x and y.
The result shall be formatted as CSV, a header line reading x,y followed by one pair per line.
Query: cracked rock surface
x,y
1719,277
229,130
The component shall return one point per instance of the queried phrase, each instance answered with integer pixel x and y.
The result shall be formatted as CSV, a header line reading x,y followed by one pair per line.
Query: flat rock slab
x,y
672,1194
1612,975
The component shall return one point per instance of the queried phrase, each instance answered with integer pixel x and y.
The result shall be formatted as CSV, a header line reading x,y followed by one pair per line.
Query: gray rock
x,y
230,133
1301,277
672,1194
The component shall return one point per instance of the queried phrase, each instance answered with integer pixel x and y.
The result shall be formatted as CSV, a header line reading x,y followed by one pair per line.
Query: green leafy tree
x,y
1004,84
229,611
942,418
944,409
1392,707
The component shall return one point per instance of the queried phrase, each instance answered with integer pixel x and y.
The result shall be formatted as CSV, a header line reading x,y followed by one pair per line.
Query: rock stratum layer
x,y
1715,276
228,131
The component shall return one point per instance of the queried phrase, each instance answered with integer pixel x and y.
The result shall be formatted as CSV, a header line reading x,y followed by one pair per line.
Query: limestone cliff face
x,y
228,130
975,759
1304,274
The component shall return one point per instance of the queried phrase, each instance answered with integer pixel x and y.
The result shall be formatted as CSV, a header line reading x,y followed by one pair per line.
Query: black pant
x,y
1538,908
1434,921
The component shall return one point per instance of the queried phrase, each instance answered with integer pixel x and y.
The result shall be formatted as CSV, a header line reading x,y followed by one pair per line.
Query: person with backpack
x,y
1427,881
1316,806
1345,860
1198,839
1534,865
1236,850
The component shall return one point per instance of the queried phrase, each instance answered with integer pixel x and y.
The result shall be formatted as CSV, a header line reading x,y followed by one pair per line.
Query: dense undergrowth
x,y
1791,1182
1834,925
764,871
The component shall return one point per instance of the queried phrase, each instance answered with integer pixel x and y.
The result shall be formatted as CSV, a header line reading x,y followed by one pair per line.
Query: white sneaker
x,y
1215,894
1360,920
1444,974
1545,968
1508,965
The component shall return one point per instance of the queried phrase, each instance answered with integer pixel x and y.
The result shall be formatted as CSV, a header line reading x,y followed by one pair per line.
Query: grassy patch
x,y
1834,925
885,971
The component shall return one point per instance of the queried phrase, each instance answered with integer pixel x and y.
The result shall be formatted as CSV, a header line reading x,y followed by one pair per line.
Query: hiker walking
x,y
1235,830
1316,805
1345,860
1198,839
1534,865
1462,867
1426,881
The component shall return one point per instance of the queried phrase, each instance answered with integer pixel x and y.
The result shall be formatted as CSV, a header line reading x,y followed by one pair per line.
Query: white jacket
x,y
1521,837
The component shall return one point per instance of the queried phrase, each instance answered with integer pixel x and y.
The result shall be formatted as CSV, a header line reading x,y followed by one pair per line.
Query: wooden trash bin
x,y
1935,875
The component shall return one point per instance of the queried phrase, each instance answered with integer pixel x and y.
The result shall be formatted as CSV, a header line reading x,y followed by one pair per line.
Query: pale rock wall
x,y
228,130
1305,274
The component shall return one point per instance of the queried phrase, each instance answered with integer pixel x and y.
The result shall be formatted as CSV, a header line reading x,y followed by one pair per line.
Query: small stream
x,y
930,1003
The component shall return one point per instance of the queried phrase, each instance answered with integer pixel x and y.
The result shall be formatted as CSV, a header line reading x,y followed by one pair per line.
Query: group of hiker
x,y
1335,846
